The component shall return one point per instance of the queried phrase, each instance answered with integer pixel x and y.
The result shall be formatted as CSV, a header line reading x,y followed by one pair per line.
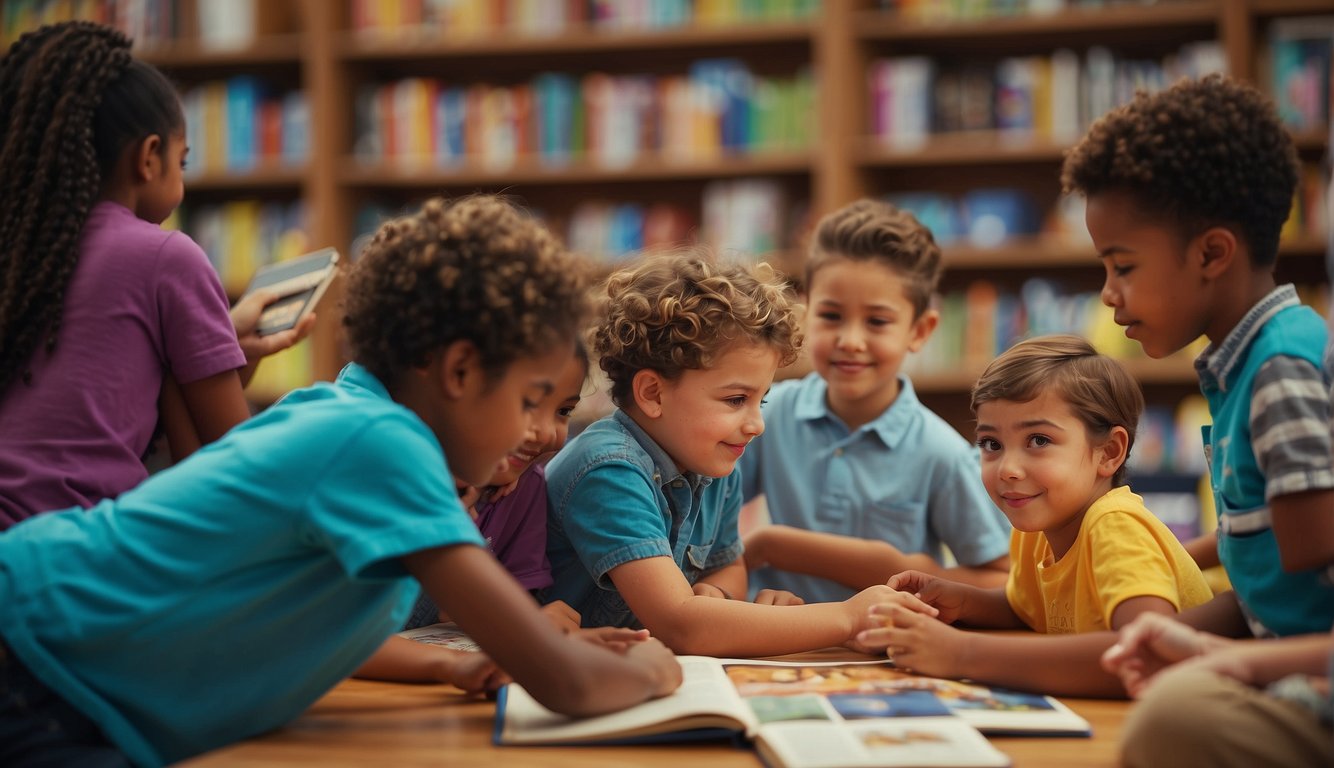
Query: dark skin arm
x,y
1304,529
200,412
561,671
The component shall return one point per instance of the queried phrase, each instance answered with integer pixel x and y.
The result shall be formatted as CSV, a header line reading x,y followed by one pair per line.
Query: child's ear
x,y
1112,453
646,389
922,328
148,158
460,363
1217,251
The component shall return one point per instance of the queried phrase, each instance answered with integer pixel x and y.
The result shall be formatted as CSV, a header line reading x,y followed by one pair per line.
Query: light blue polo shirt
x,y
616,496
222,597
907,478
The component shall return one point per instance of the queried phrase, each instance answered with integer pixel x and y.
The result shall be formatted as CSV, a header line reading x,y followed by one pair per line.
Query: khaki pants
x,y
1198,718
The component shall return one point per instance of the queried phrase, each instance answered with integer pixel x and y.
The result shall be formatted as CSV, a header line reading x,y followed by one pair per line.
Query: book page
x,y
447,635
934,742
876,689
705,700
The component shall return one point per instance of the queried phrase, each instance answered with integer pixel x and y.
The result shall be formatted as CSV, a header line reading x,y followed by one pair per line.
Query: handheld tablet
x,y
300,282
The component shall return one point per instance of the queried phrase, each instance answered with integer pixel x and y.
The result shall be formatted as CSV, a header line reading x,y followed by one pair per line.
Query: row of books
x,y
981,321
239,124
215,24
969,10
720,106
1302,60
984,218
1056,96
241,236
472,18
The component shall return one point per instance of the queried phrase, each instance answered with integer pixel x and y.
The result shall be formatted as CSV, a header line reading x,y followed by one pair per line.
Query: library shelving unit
x,y
314,45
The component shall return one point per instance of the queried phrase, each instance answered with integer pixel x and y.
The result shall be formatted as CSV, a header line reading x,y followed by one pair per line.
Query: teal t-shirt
x,y
222,597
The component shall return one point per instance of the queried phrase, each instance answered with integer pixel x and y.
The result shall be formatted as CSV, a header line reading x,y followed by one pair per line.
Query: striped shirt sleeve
x,y
1290,427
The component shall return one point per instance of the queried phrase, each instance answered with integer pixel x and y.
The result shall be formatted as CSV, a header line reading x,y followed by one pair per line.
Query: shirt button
x,y
678,482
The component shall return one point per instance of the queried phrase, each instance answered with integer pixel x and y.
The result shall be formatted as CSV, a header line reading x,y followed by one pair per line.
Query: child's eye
x,y
566,413
737,401
880,322
529,405
1038,441
829,317
1121,270
988,444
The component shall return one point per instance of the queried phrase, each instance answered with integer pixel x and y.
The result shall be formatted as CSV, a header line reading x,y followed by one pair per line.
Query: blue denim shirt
x,y
616,496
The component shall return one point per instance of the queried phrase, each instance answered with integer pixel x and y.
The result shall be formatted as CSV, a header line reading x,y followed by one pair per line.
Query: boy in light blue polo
x,y
860,479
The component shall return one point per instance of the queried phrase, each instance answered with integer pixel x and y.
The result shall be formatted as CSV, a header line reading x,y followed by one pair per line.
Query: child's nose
x,y
850,337
1109,295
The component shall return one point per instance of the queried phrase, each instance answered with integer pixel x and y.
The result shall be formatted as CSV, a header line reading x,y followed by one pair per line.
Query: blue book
x,y
450,114
243,94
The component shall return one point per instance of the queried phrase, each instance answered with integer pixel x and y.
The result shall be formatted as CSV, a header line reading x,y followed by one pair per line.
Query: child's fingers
x,y
906,601
876,640
907,581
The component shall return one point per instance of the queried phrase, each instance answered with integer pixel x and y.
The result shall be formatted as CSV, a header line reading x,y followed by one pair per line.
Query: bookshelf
x,y
335,51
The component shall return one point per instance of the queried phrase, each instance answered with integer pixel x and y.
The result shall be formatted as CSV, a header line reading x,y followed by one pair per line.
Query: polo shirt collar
x,y
664,469
813,404
356,376
1216,363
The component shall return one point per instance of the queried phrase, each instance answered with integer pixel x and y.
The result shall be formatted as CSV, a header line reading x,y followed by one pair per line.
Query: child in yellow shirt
x,y
1055,423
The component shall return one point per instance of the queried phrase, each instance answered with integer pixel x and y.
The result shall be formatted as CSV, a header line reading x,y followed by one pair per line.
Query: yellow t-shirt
x,y
1122,551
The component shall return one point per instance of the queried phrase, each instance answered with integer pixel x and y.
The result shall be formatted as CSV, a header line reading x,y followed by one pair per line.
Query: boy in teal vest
x,y
1187,190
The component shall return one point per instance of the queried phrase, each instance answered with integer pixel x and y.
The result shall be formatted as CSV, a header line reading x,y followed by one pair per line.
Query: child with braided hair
x,y
100,308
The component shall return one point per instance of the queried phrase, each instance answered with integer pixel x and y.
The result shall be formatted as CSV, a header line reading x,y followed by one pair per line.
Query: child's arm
x,y
728,582
1061,665
853,562
408,661
1220,616
182,439
1203,549
964,603
1304,529
659,595
200,412
565,674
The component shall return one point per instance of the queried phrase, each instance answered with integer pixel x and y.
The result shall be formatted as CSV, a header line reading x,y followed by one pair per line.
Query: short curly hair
x,y
677,311
877,232
1202,153
1098,389
474,268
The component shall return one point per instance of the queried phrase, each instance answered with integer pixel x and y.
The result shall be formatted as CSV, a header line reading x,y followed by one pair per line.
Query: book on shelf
x,y
808,714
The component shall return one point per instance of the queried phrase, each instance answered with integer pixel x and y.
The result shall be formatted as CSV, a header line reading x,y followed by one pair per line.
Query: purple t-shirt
x,y
515,529
142,302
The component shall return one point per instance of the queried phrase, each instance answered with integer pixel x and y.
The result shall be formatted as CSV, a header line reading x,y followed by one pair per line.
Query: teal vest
x,y
1275,602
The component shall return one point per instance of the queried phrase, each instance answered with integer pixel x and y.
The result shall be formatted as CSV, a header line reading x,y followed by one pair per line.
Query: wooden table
x,y
361,722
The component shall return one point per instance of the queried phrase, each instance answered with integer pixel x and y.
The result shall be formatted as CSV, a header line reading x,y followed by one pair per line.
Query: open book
x,y
807,714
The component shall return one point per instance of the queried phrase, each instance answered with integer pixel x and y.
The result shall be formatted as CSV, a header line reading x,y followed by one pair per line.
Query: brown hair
x,y
676,311
877,232
1202,153
1097,388
475,268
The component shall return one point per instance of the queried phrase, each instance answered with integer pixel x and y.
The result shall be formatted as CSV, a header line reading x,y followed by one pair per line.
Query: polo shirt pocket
x,y
900,523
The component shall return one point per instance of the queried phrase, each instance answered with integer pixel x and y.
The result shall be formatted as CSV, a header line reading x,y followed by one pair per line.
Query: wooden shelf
x,y
376,47
263,178
1270,8
531,171
266,51
964,148
1177,369
1022,254
880,26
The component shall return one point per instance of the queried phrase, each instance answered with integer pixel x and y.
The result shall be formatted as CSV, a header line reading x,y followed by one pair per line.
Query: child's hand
x,y
245,320
1151,643
860,606
617,639
565,618
917,642
501,491
777,597
653,654
473,672
948,597
705,589
468,496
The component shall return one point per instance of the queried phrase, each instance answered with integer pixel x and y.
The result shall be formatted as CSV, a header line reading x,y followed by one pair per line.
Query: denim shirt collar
x,y
1216,363
664,469
813,404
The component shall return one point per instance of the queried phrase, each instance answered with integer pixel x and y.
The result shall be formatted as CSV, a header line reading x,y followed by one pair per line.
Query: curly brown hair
x,y
676,311
874,231
1202,153
1097,388
71,100
475,268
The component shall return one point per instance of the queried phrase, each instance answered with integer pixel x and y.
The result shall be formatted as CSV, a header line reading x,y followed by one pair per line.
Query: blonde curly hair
x,y
677,311
474,268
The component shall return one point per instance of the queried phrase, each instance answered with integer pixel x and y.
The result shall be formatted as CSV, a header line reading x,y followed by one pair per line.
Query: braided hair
x,y
72,99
